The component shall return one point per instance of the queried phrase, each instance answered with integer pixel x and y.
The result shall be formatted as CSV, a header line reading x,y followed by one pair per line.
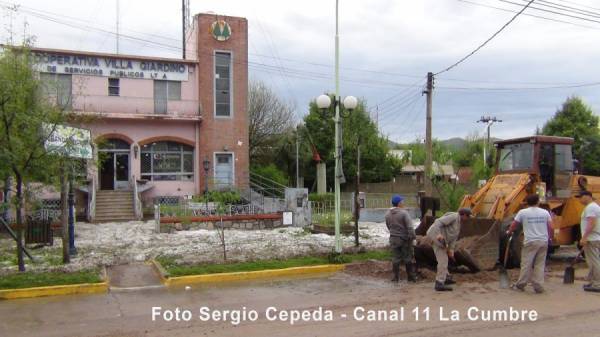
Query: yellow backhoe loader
x,y
537,164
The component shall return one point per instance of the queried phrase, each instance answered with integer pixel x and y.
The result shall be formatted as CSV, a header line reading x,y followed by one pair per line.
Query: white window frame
x,y
232,165
152,174
214,80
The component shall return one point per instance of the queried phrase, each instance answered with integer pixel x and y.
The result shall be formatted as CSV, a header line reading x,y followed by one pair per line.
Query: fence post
x,y
157,218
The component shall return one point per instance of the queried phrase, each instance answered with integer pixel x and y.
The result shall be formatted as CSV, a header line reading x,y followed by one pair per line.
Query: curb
x,y
252,275
67,289
163,275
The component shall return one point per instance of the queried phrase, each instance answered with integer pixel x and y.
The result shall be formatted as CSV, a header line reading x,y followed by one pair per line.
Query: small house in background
x,y
404,155
417,172
464,175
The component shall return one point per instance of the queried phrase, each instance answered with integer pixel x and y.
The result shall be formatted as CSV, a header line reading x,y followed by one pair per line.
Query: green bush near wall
x,y
327,197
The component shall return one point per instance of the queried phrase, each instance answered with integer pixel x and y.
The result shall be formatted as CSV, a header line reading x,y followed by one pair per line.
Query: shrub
x,y
271,172
223,197
328,219
327,197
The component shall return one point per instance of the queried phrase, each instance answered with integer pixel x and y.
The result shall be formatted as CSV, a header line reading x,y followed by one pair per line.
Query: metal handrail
x,y
137,205
266,186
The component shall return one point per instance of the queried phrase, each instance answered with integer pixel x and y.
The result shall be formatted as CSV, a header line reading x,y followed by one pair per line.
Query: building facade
x,y
172,127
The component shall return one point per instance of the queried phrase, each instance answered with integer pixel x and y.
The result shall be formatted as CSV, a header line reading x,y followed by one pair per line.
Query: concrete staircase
x,y
114,206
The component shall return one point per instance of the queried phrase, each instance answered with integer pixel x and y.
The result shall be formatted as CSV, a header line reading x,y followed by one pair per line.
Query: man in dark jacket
x,y
402,235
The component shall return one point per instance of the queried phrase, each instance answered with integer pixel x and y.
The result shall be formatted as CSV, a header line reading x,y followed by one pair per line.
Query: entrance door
x,y
114,173
121,171
223,170
107,173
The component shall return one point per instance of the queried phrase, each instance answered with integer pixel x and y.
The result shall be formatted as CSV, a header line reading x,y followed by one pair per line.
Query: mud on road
x,y
382,270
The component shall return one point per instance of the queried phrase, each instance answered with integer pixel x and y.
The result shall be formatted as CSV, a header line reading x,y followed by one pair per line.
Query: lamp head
x,y
323,102
350,102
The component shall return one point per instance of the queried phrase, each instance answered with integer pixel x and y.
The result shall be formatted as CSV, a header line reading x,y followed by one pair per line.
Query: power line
x,y
568,8
60,20
304,74
393,97
398,110
580,85
486,41
579,4
528,14
394,112
551,11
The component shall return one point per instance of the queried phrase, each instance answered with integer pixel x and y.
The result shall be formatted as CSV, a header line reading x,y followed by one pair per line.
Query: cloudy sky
x,y
387,47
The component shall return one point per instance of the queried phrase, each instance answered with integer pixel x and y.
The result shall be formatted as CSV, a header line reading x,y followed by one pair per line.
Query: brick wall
x,y
223,134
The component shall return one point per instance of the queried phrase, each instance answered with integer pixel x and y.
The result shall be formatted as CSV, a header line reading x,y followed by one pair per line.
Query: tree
x,y
575,119
441,153
270,118
24,115
376,163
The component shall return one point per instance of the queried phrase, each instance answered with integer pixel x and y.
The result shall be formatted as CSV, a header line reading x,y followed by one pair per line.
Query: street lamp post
x,y
206,166
349,103
324,102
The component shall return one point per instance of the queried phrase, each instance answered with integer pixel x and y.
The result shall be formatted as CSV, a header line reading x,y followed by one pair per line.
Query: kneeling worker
x,y
402,234
444,233
537,228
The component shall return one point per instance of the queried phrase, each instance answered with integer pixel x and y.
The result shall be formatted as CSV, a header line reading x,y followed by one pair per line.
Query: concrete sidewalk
x,y
133,276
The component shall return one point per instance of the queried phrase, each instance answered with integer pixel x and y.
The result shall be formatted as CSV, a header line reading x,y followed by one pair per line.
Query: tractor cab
x,y
549,158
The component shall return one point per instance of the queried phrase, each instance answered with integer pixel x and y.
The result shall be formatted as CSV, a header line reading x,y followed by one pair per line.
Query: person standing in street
x,y
402,234
537,229
590,239
444,233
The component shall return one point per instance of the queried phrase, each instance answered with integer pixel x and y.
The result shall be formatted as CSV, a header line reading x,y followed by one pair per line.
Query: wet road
x,y
562,311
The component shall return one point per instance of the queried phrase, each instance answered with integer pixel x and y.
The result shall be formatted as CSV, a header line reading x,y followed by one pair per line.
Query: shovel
x,y
569,276
504,280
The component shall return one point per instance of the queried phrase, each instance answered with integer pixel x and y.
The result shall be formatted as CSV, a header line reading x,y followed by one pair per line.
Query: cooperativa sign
x,y
109,66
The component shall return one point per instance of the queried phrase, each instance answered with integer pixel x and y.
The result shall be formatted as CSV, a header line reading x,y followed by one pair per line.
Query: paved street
x,y
565,310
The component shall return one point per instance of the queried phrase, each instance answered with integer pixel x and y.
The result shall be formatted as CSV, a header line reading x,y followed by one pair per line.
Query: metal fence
x,y
372,200
190,209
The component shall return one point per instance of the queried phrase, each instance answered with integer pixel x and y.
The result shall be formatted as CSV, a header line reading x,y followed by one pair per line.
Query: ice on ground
x,y
125,242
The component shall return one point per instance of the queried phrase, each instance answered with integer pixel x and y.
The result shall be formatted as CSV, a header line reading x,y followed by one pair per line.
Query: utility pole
x,y
357,193
183,16
297,160
428,141
117,35
338,168
489,121
64,195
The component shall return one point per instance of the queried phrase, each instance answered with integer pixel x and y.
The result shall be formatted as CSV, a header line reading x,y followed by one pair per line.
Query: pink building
x,y
166,127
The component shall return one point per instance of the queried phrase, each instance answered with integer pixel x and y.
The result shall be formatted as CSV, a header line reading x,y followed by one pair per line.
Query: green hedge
x,y
327,197
223,197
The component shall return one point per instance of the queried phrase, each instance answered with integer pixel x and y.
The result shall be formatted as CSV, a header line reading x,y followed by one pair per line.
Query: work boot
x,y
410,272
518,287
439,286
449,281
591,287
396,272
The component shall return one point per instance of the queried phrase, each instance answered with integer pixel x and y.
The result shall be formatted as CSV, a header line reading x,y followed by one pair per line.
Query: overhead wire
x,y
551,11
401,101
529,14
486,41
397,109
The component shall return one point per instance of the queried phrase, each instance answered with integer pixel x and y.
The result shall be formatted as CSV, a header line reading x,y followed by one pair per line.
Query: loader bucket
x,y
477,246
479,238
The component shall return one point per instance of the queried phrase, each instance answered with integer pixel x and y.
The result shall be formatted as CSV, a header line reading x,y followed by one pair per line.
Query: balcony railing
x,y
135,106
